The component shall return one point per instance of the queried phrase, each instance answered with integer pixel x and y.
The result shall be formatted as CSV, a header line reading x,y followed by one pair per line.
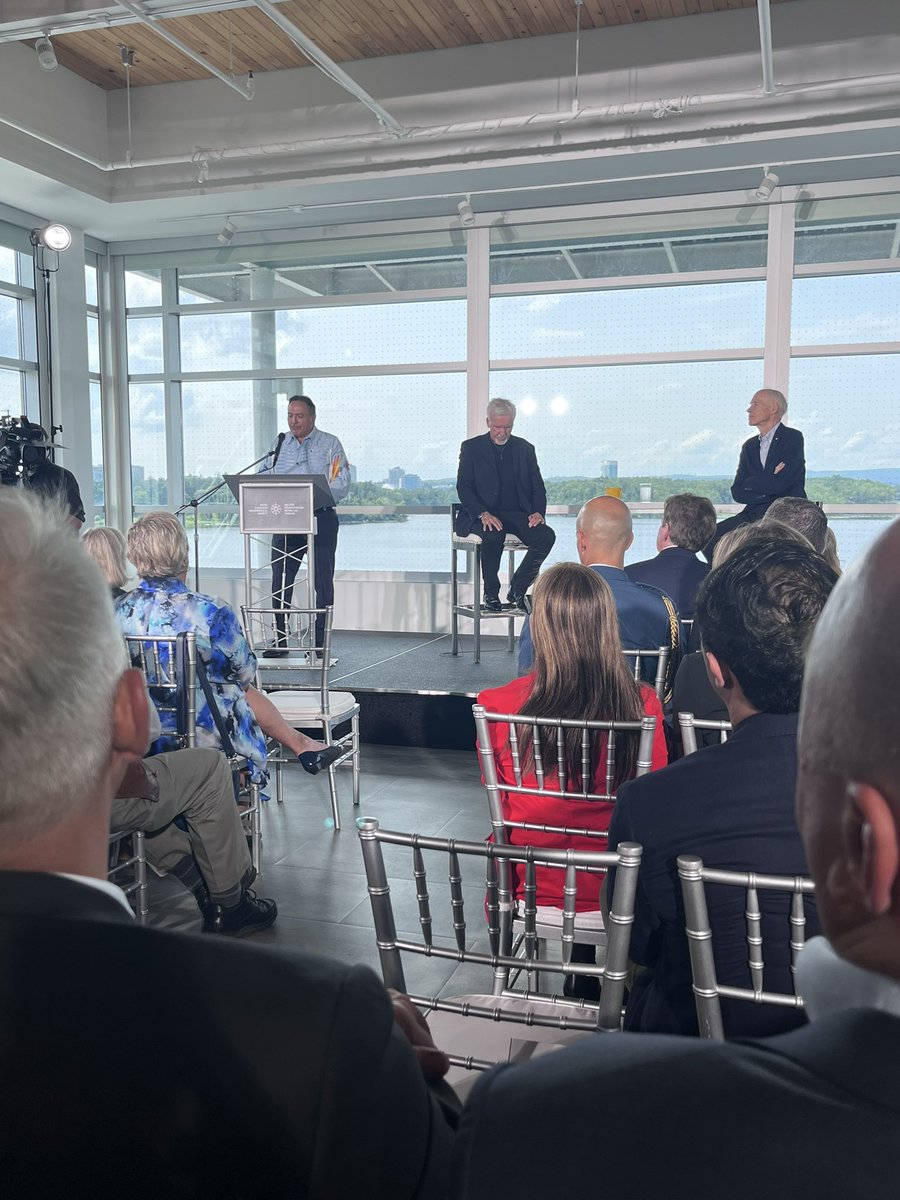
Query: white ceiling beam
x,y
330,68
145,18
22,21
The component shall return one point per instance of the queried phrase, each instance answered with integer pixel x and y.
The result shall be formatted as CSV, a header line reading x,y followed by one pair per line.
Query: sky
x,y
681,418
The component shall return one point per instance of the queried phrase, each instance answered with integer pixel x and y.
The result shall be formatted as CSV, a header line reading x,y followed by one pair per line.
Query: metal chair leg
x,y
332,787
476,604
279,781
354,761
454,601
142,905
255,830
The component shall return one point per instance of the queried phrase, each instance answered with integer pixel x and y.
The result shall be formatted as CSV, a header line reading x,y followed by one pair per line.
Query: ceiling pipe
x,y
146,18
109,16
765,46
583,119
330,68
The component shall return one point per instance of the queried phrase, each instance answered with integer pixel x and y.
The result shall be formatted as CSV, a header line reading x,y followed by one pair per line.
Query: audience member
x,y
106,546
810,1113
647,617
803,515
579,672
732,804
138,1059
687,525
163,604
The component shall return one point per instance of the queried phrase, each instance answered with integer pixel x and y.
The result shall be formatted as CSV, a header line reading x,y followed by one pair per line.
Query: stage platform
x,y
412,690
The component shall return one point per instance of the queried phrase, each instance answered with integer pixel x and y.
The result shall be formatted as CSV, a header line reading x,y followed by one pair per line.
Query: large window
x,y
845,367
18,335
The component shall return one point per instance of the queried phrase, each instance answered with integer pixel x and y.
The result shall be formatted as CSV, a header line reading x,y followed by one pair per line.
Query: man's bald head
x,y
848,790
603,531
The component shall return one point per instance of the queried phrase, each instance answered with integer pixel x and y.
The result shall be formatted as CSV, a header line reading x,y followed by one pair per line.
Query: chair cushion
x,y
297,706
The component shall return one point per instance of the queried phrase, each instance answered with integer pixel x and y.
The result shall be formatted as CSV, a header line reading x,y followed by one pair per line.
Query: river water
x,y
421,543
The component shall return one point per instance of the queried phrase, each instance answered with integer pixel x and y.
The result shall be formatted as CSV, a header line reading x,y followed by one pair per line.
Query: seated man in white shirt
x,y
814,1112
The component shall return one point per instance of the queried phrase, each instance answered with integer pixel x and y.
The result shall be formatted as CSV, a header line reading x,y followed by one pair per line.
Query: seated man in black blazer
x,y
772,463
687,525
501,491
814,1112
136,1059
732,804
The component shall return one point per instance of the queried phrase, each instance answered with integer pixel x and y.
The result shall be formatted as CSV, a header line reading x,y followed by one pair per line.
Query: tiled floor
x,y
317,876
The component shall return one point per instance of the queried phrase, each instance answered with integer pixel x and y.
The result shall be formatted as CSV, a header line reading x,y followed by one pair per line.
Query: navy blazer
x,y
813,1113
643,620
675,571
733,805
141,1061
756,485
478,481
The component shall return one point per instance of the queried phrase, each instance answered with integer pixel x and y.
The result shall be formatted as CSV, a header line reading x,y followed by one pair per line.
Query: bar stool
x,y
471,544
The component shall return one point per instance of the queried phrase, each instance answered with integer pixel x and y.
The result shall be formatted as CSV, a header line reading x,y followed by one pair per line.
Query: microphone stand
x,y
195,505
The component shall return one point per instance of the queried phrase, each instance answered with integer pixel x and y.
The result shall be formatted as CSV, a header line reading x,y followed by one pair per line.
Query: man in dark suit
x,y
647,617
814,1112
772,464
135,1059
687,525
501,491
732,804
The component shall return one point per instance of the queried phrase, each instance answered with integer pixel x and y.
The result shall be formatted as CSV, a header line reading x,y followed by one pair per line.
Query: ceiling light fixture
x,y
767,185
46,55
466,212
226,236
52,237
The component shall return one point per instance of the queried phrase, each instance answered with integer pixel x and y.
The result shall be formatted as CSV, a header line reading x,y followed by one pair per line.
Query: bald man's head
x,y
848,788
603,531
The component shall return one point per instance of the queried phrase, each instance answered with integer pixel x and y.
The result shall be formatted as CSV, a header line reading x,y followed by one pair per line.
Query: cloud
x,y
542,303
860,438
542,334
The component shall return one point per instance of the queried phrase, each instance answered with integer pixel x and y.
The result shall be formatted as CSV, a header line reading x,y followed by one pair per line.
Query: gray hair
x,y
61,657
779,398
158,546
498,405
691,520
803,515
106,546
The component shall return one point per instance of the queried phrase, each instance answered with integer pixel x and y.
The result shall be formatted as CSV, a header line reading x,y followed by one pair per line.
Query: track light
x,y
466,212
52,237
46,55
767,185
227,233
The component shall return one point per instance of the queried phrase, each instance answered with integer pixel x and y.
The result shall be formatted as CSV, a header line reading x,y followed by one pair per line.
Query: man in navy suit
x,y
772,464
731,804
136,1058
501,491
687,525
814,1112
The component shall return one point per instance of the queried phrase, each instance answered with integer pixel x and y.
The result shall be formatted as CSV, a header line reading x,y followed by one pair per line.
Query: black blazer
x,y
734,806
677,572
478,481
136,1060
756,485
812,1113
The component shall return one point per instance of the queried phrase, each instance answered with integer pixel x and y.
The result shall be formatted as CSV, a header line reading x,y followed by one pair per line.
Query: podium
x,y
281,505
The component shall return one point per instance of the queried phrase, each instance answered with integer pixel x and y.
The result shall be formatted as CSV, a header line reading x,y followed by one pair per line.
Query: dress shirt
x,y
99,885
319,454
830,984
765,441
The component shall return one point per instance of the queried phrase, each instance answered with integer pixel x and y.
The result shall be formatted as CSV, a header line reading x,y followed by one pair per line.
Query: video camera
x,y
23,448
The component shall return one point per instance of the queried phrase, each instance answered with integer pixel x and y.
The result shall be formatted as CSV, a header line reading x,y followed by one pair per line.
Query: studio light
x,y
52,237
46,55
767,185
466,212
227,233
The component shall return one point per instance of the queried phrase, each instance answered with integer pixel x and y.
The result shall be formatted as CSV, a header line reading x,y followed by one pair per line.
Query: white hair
x,y
498,404
61,657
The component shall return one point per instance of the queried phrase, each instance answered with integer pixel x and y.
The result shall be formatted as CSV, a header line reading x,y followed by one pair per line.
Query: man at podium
x,y
305,450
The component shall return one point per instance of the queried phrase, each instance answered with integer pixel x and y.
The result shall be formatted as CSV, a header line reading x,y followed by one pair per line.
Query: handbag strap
x,y
214,710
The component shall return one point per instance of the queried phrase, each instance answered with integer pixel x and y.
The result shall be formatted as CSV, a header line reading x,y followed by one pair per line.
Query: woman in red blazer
x,y
579,672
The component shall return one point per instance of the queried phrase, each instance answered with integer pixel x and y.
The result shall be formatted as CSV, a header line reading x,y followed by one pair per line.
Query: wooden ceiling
x,y
239,40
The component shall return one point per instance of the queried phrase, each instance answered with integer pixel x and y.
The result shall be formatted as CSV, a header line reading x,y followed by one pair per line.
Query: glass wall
x,y
18,336
631,345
